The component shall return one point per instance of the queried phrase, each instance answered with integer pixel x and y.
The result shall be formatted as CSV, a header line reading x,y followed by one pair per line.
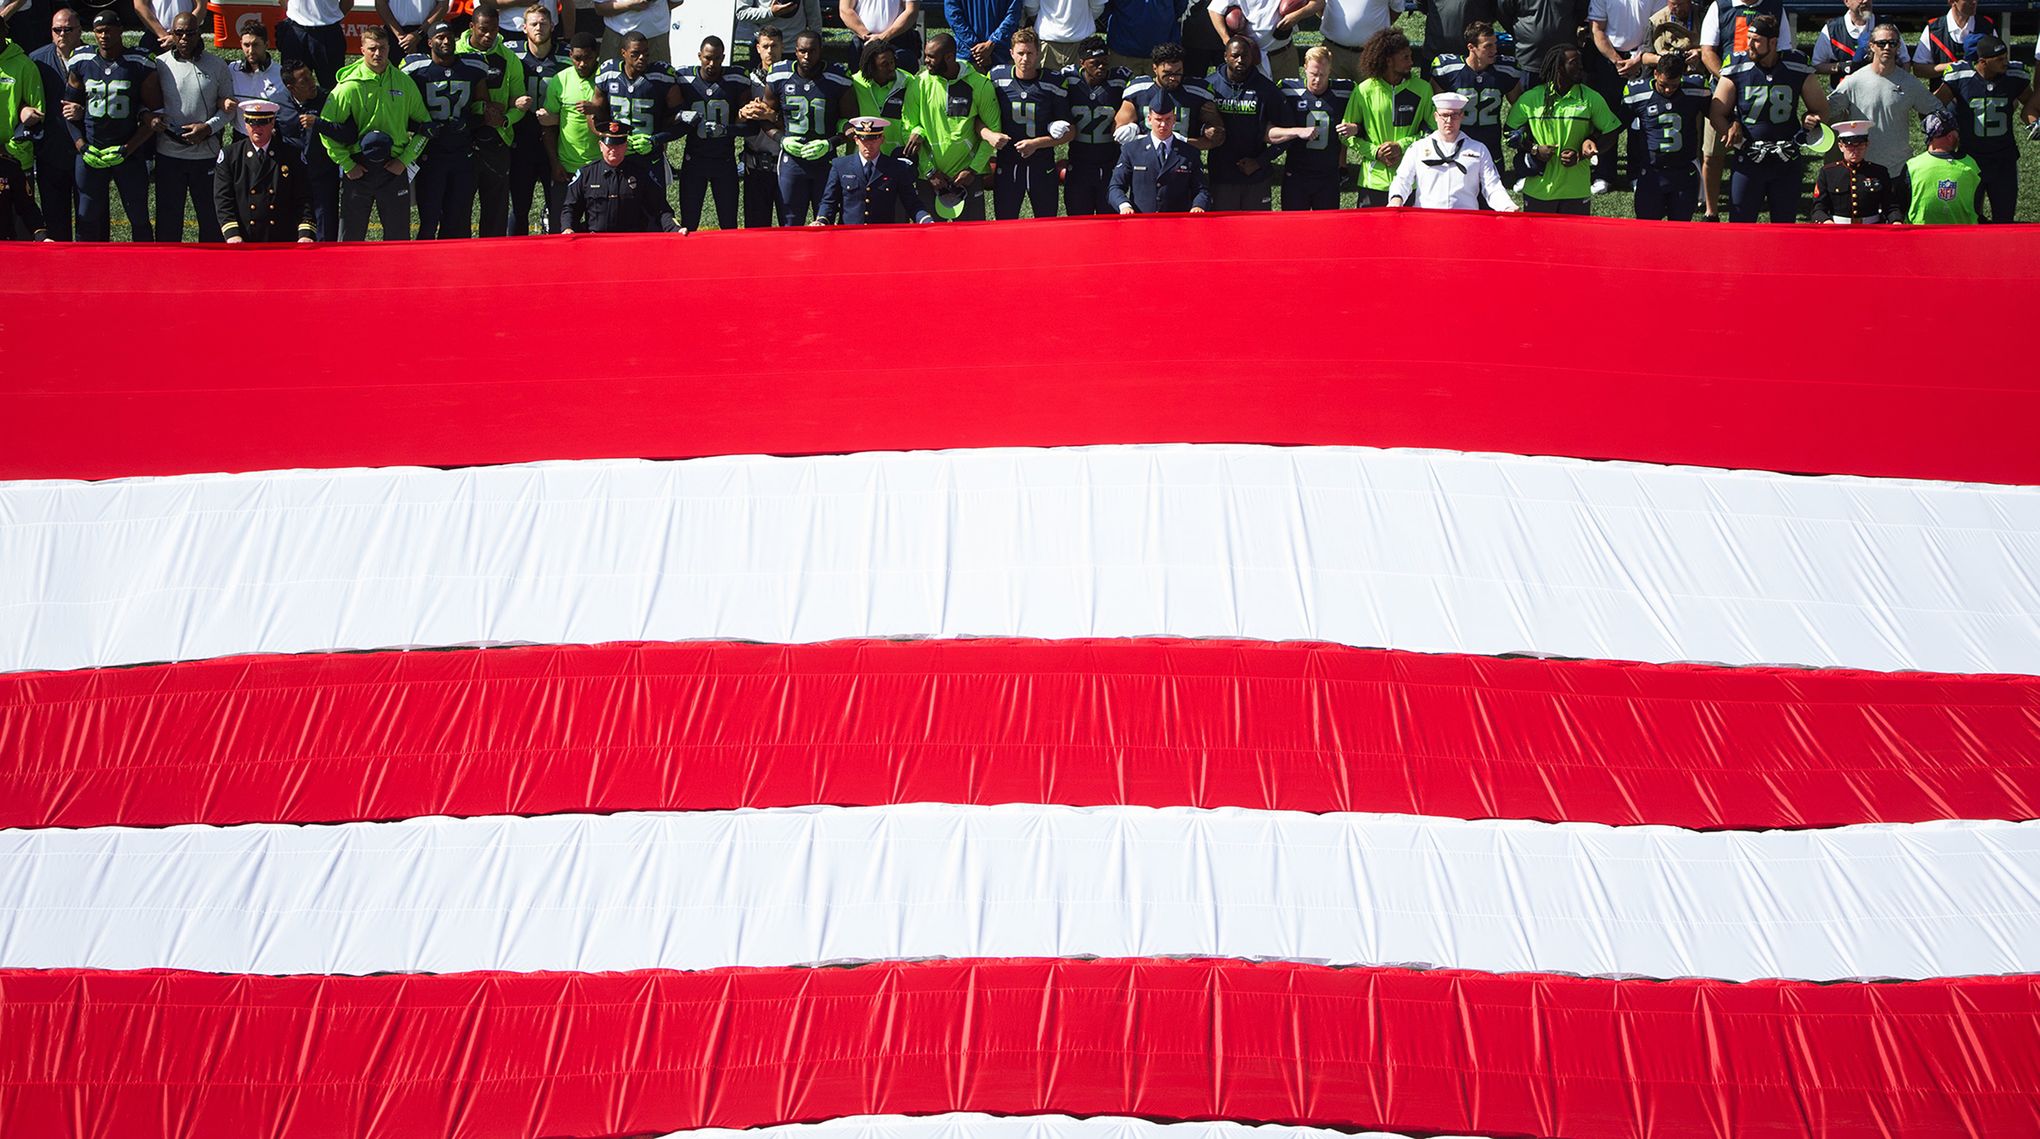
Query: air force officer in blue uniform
x,y
869,187
1158,173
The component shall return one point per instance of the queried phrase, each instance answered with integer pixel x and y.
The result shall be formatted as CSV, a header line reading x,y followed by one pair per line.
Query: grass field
x,y
1604,205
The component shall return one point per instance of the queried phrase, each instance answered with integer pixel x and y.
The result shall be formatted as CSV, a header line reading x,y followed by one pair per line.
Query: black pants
x,y
1240,195
530,172
2000,187
1667,195
445,193
19,215
701,177
96,188
761,198
57,186
1084,189
390,196
1310,190
325,179
1578,207
324,46
176,180
1031,180
1373,197
492,182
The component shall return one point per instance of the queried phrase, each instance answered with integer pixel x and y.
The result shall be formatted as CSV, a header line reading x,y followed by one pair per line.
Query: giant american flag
x,y
1116,739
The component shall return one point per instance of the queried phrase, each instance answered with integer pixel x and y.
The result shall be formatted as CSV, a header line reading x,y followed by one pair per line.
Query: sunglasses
x,y
1883,43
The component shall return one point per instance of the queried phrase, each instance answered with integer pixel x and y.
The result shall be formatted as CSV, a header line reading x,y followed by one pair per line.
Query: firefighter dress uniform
x,y
261,191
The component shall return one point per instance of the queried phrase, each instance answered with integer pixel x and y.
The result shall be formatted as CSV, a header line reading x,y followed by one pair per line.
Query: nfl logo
x,y
1947,189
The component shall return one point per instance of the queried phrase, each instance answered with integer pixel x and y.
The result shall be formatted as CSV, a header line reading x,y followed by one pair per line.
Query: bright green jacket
x,y
21,86
871,100
1943,189
389,103
1372,106
511,88
950,143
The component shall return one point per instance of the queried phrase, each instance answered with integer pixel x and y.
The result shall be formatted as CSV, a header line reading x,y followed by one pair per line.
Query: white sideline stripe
x,y
818,885
975,1125
1427,551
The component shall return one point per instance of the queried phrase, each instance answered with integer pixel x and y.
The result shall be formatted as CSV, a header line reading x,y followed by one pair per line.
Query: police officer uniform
x,y
1859,192
870,191
624,197
261,192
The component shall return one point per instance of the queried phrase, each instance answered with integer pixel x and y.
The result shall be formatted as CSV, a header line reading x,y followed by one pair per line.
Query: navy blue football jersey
x,y
1190,100
1246,108
1487,94
1670,123
810,108
1299,107
1092,107
111,92
1986,111
644,104
537,69
1027,106
453,94
1767,98
713,104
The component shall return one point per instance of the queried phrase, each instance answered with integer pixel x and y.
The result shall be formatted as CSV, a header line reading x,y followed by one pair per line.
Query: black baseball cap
x,y
438,27
105,18
1989,46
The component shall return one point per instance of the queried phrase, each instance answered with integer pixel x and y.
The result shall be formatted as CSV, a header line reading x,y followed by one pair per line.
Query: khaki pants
x,y
660,47
1285,63
1134,67
1058,54
1345,62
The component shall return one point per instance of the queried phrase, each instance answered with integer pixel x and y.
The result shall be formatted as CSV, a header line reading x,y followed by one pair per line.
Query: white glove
x,y
1127,133
1060,130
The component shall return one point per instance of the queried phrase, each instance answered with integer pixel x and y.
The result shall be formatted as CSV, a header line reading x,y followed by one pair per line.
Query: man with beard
x,y
197,91
256,75
1197,123
115,106
455,88
1242,172
505,107
542,56
952,115
811,101
1558,127
1756,111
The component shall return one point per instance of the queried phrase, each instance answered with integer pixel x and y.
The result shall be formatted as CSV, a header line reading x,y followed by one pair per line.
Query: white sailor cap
x,y
1854,128
1449,101
868,125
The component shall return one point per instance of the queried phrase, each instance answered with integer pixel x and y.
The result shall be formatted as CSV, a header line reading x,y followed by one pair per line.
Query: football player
x,y
507,103
543,56
1988,96
455,88
1312,136
1666,110
1756,109
1030,103
1488,83
644,95
120,105
1241,167
811,100
710,95
1095,91
1197,117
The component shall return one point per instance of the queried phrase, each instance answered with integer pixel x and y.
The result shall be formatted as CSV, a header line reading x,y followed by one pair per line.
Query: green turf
x,y
1605,205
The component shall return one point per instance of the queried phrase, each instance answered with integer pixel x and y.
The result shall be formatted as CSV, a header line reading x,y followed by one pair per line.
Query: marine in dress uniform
x,y
618,192
869,187
259,187
1856,191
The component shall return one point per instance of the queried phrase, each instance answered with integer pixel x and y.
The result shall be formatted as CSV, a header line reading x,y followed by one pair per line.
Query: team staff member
x,y
870,187
300,127
1946,184
1856,191
508,102
1095,90
1843,43
1446,170
1159,173
952,116
259,187
1313,139
1950,39
617,193
116,106
55,160
380,118
311,31
197,99
1390,107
